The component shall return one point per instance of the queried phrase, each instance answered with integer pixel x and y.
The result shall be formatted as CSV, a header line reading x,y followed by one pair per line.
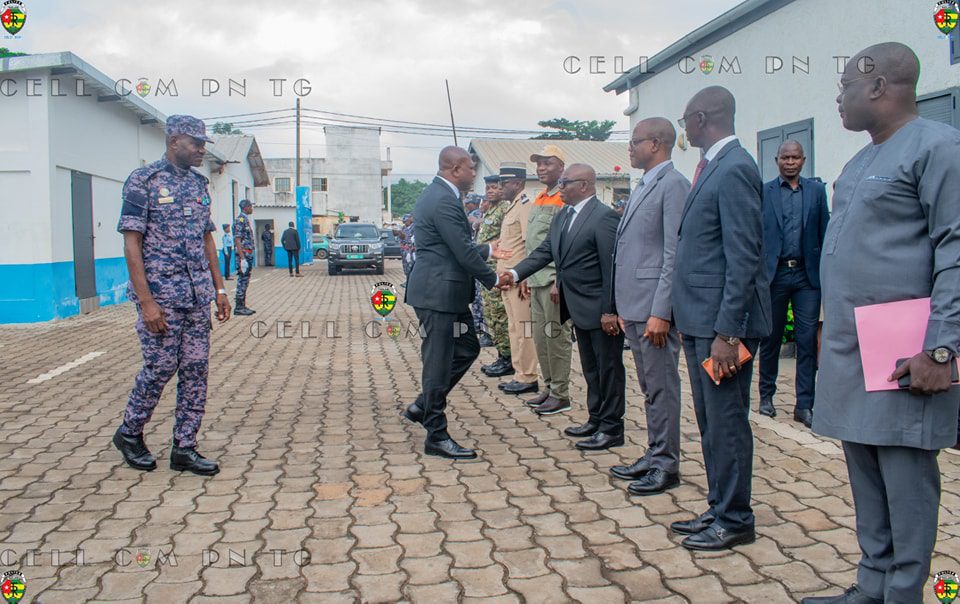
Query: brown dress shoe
x,y
552,405
537,400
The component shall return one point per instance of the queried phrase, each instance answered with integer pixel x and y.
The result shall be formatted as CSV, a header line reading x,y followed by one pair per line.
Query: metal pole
x,y
389,195
450,104
298,142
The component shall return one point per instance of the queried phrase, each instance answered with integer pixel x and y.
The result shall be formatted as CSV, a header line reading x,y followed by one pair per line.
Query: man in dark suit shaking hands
x,y
721,298
580,243
440,289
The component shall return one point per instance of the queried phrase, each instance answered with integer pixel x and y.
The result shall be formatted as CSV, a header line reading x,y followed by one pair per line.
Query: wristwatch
x,y
221,291
940,355
731,340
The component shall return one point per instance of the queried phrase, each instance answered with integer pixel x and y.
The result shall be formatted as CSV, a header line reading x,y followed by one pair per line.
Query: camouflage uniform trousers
x,y
184,350
476,308
243,279
495,317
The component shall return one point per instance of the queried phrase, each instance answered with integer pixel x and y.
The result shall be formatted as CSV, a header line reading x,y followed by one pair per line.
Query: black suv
x,y
355,245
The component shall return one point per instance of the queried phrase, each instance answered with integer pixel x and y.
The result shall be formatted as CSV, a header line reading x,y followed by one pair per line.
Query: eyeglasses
x,y
843,86
564,182
635,142
683,120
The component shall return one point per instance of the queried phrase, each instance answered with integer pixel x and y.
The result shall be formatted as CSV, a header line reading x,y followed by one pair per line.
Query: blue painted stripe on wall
x,y
40,292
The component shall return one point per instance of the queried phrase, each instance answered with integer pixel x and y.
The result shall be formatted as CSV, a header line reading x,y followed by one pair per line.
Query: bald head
x,y
879,89
709,116
892,60
451,156
581,183
790,146
659,128
457,166
651,143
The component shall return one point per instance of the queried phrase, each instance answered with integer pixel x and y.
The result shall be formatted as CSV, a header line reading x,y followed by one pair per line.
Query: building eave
x,y
723,26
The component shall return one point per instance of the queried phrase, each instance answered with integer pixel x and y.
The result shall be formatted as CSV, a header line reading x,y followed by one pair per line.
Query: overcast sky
x,y
504,60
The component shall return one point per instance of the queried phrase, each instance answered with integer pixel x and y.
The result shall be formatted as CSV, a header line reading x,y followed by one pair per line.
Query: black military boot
x,y
134,451
242,309
186,459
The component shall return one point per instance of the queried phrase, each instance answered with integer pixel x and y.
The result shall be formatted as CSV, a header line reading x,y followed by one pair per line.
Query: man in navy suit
x,y
721,298
795,217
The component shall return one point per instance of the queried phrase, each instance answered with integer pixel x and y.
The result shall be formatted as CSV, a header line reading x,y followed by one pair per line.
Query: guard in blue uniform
x,y
243,239
172,260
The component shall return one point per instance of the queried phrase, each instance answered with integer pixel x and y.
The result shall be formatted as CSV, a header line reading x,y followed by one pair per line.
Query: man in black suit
x,y
795,217
440,289
580,243
721,298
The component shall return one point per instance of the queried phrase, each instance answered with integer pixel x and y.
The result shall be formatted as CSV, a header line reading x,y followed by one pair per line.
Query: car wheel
x,y
333,269
380,269
321,254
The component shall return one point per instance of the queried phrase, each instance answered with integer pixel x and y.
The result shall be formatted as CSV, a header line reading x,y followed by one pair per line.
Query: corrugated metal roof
x,y
602,156
239,148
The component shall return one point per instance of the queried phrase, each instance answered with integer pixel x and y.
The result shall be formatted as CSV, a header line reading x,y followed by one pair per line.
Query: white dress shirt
x,y
720,144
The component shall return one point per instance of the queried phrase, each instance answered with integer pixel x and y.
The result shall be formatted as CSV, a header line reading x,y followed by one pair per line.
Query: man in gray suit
x,y
721,298
643,259
894,235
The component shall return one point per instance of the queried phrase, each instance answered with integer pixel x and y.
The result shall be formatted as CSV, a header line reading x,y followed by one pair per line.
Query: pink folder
x,y
889,332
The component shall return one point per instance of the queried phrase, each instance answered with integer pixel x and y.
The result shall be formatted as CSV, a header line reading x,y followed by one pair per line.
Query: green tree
x,y
576,130
404,195
6,52
225,128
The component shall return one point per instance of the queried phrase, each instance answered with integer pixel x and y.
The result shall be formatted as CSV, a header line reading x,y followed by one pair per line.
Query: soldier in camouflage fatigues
x,y
494,315
172,260
243,237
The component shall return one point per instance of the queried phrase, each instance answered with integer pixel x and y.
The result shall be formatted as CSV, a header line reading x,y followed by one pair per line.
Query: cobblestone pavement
x,y
317,463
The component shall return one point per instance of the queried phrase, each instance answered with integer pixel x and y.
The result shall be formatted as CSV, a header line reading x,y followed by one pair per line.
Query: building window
x,y
318,184
940,107
281,184
235,192
246,194
955,46
769,141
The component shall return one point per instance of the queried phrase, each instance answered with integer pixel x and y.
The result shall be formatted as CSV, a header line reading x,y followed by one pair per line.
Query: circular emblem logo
x,y
143,559
945,15
143,87
394,330
945,586
12,586
384,298
706,64
13,16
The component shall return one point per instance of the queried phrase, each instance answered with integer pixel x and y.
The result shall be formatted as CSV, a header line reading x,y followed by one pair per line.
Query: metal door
x,y
84,272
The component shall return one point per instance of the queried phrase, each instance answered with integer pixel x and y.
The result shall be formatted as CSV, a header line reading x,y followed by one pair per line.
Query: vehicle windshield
x,y
388,234
357,231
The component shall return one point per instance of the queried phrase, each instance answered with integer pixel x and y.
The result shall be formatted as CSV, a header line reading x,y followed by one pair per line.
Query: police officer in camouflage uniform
x,y
471,205
243,244
494,314
172,260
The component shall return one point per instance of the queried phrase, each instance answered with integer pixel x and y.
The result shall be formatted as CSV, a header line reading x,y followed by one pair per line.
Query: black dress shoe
x,y
552,406
804,416
715,538
853,595
243,311
134,451
503,385
767,408
692,527
634,471
186,459
654,482
501,369
414,413
521,387
448,448
586,429
493,365
600,441
537,400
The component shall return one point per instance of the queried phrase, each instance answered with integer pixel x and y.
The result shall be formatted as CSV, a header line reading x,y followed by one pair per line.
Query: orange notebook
x,y
707,364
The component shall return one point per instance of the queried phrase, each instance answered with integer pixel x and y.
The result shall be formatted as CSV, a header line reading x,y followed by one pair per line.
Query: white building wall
x,y
819,29
353,171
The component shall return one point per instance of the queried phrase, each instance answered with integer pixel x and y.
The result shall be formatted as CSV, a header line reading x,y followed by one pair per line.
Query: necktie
x,y
565,226
696,175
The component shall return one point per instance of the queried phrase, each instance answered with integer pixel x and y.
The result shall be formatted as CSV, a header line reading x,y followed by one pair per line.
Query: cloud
x,y
504,60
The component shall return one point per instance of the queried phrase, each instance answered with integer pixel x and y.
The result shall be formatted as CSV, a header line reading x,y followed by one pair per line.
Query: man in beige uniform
x,y
516,300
